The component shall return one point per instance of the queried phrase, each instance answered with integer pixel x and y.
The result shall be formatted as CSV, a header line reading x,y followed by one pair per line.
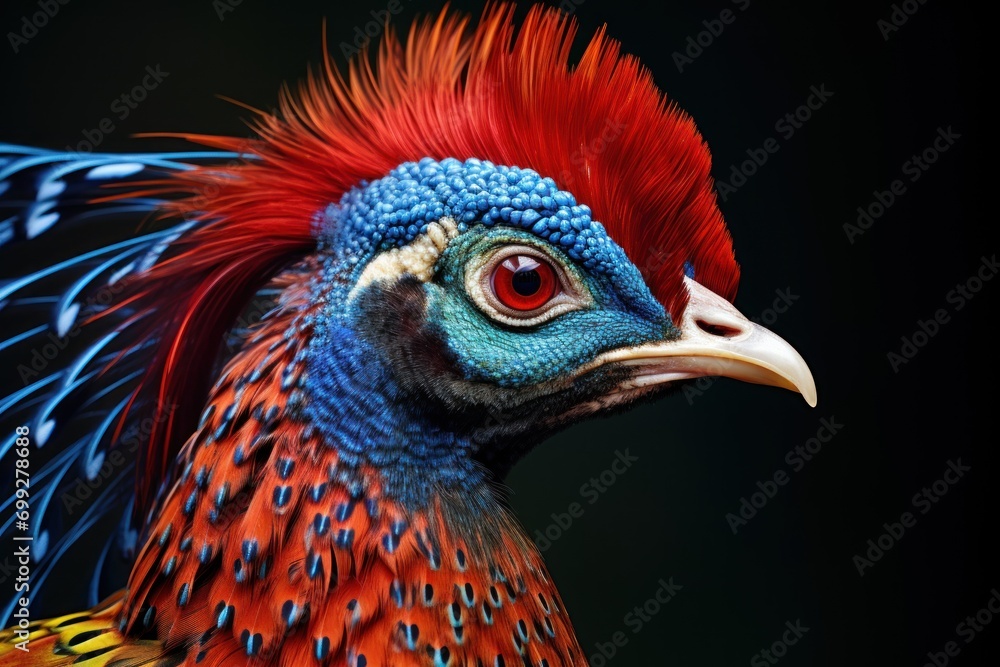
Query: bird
x,y
459,247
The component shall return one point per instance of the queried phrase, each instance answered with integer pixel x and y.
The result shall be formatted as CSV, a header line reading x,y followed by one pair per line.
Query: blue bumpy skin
x,y
394,210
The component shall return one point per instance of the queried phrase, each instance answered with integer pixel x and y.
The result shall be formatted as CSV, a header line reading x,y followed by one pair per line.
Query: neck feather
x,y
295,541
379,430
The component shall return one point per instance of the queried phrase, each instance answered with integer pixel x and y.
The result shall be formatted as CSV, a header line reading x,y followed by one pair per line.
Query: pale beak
x,y
716,340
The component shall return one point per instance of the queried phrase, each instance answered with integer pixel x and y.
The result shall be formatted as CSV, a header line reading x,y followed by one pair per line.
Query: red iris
x,y
523,282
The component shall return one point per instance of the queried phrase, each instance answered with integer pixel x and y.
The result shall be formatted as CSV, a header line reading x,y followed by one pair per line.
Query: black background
x,y
698,454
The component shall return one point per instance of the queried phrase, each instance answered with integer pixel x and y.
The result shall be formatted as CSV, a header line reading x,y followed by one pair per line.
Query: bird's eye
x,y
523,282
521,285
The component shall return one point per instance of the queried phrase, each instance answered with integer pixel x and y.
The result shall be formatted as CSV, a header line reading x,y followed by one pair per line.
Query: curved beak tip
x,y
718,340
753,353
809,393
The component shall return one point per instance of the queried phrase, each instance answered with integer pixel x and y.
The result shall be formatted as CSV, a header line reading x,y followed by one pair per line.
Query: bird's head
x,y
503,242
494,304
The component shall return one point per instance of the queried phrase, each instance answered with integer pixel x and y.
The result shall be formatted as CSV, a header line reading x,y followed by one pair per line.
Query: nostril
x,y
720,330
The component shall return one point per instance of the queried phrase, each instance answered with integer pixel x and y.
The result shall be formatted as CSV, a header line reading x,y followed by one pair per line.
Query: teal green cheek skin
x,y
519,356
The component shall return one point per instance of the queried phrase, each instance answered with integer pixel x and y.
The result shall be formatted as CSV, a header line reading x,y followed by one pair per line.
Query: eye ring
x,y
540,298
524,282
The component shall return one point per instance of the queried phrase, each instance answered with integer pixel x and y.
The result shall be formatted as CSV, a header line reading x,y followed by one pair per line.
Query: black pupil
x,y
526,283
